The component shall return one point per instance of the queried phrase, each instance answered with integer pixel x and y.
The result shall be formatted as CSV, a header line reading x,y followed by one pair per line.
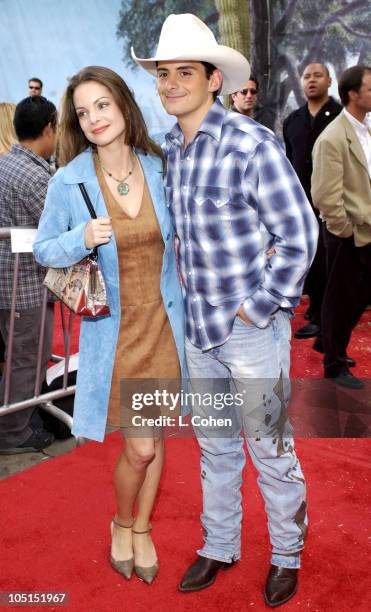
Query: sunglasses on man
x,y
247,90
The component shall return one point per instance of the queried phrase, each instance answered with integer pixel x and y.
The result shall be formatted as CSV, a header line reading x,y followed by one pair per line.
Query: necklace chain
x,y
122,187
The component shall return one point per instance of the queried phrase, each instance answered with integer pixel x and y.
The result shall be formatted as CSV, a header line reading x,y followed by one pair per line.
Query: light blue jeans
x,y
254,364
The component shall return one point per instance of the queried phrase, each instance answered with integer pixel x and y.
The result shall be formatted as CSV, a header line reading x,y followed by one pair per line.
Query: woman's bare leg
x,y
137,476
145,553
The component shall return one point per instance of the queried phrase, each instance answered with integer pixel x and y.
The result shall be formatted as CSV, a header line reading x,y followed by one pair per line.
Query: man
x,y
226,178
300,131
342,193
24,175
35,87
244,101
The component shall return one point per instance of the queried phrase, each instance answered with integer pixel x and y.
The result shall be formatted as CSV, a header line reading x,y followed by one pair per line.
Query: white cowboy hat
x,y
186,37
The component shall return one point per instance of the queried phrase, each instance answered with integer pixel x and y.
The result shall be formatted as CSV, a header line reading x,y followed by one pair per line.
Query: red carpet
x,y
307,363
55,524
55,533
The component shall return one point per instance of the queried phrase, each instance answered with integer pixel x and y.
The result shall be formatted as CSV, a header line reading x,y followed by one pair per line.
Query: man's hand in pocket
x,y
241,313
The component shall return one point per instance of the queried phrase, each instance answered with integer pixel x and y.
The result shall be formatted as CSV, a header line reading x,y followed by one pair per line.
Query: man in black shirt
x,y
300,131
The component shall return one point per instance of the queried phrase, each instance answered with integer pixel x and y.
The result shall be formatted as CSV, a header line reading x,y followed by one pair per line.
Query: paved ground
x,y
11,464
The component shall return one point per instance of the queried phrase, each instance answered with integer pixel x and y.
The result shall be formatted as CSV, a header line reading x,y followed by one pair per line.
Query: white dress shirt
x,y
363,133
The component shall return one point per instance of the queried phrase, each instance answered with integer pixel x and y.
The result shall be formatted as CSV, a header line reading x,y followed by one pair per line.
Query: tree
x,y
289,34
286,36
140,22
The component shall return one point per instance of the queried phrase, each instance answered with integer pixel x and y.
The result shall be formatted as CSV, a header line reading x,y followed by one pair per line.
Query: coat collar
x,y
82,170
331,107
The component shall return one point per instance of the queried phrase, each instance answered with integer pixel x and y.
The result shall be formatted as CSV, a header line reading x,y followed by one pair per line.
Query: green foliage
x,y
140,22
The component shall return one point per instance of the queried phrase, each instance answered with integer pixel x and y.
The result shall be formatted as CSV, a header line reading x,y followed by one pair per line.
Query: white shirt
x,y
362,131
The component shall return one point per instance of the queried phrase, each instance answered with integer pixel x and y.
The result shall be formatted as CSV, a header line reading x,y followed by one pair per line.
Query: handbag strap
x,y
88,203
93,215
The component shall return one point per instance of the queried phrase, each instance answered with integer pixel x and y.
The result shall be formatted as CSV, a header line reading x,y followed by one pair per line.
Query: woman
x,y
7,132
104,142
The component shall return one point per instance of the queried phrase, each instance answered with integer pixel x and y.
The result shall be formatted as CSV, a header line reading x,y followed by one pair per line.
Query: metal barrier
x,y
44,400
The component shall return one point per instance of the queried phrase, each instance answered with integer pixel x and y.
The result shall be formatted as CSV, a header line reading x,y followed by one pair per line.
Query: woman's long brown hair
x,y
72,140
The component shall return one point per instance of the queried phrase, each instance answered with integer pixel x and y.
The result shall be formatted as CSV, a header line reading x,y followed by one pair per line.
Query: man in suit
x,y
341,190
300,131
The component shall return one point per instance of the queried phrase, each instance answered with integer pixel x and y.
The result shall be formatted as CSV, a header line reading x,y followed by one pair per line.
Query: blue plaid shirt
x,y
232,193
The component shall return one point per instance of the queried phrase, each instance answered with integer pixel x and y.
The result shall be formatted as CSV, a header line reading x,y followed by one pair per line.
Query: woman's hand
x,y
98,231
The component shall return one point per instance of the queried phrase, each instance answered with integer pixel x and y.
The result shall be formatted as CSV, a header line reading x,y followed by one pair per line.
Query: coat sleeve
x,y
327,186
57,244
286,139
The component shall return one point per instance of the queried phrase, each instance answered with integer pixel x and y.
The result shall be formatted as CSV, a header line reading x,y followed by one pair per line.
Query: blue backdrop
x,y
54,39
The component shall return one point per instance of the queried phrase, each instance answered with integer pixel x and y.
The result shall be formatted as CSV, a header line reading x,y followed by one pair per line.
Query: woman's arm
x,y
57,244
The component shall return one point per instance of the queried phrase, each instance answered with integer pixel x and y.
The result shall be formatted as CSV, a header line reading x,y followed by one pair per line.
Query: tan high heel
x,y
147,574
125,568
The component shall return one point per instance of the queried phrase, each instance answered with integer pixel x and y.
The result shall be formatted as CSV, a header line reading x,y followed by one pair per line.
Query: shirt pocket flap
x,y
219,196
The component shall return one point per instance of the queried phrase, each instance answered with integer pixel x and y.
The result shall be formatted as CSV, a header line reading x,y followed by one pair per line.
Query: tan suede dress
x,y
146,348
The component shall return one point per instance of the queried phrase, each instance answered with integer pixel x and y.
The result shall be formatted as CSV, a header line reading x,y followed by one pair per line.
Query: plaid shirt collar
x,y
211,125
19,149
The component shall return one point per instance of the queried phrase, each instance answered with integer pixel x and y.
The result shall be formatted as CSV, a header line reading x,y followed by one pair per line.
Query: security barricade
x,y
22,239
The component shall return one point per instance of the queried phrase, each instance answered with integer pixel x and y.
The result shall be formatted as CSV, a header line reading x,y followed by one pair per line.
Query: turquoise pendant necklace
x,y
122,187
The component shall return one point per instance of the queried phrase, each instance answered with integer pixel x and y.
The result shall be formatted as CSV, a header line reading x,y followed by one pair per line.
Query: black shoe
x,y
346,379
201,574
308,331
318,346
39,439
281,585
350,363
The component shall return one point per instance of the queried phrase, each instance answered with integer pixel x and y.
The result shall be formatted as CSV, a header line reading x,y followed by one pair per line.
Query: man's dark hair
x,y
351,80
209,69
32,115
36,80
253,78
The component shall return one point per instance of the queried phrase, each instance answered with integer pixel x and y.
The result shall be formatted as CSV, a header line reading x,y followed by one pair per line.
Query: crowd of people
x,y
245,217
329,148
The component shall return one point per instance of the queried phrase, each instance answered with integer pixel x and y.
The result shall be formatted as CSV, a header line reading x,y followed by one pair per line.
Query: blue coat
x,y
60,243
